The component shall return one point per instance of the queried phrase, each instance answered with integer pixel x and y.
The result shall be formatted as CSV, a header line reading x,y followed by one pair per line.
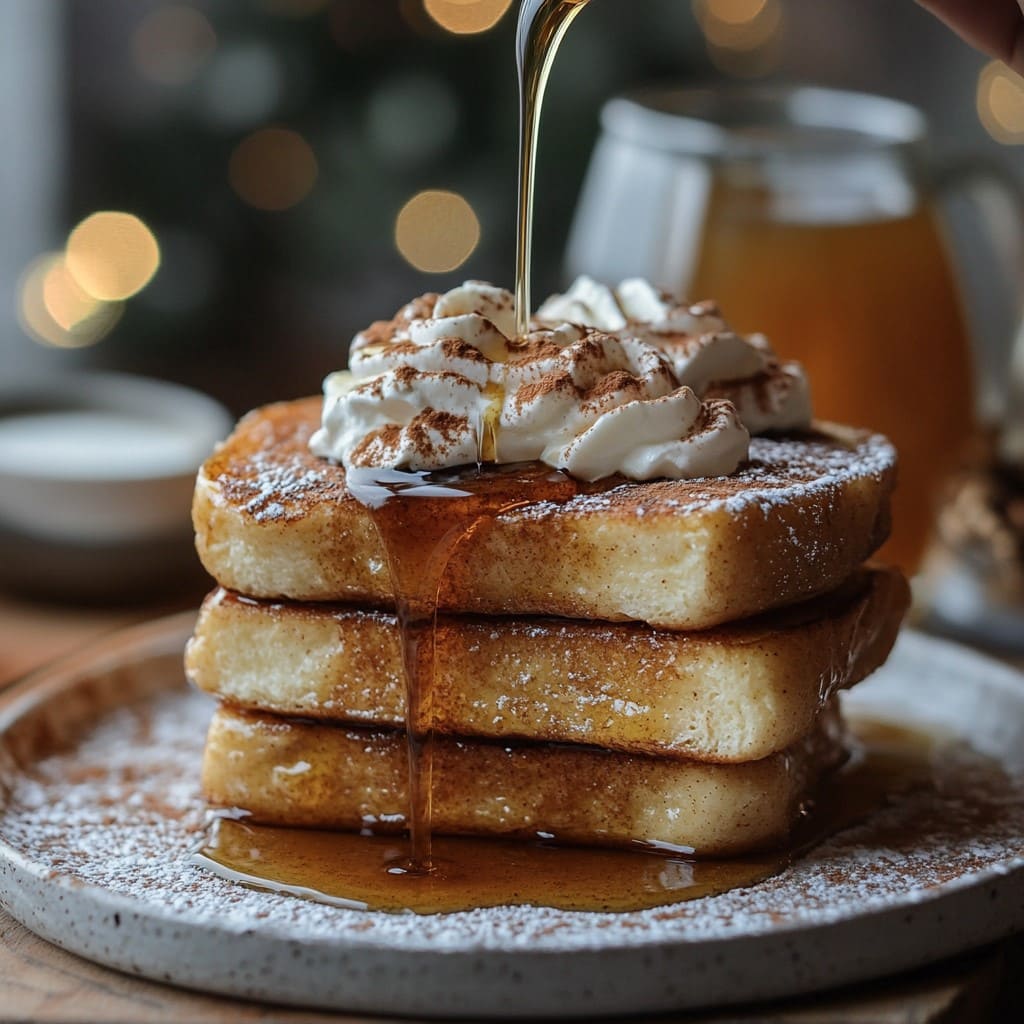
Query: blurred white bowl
x,y
96,477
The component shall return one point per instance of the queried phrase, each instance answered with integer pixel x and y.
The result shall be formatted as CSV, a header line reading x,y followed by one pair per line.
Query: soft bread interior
x,y
301,773
734,693
273,521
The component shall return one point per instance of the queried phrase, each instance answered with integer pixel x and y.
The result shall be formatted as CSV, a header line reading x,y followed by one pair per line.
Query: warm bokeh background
x,y
278,152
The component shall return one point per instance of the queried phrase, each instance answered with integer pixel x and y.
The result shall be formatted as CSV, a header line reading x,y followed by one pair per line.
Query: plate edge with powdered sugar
x,y
94,844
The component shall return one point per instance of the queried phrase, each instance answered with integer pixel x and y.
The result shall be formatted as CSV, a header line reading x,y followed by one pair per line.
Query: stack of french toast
x,y
646,662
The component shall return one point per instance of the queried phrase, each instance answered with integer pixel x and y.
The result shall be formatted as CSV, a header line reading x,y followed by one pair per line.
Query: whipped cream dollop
x,y
704,352
607,381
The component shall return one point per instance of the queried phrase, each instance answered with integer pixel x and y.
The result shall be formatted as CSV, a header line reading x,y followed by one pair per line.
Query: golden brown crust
x,y
733,693
274,521
288,772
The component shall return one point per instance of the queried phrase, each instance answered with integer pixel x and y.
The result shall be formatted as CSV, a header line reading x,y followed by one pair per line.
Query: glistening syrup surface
x,y
345,869
351,870
422,518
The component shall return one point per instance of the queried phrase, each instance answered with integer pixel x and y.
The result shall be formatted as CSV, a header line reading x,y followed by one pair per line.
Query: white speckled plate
x,y
94,841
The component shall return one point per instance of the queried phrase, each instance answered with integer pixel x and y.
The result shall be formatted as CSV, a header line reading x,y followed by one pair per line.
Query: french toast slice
x,y
274,521
732,693
300,773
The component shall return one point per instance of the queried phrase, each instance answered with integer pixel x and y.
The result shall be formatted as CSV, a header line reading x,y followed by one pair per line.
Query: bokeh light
x,y
54,309
67,303
437,231
738,13
273,169
1000,100
112,255
466,17
172,44
741,35
738,24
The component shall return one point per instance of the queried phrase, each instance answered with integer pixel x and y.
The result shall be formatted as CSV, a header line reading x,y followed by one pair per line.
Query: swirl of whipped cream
x,y
444,384
705,354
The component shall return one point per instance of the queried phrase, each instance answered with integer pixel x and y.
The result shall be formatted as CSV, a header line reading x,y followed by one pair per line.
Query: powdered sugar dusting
x,y
122,811
779,472
275,486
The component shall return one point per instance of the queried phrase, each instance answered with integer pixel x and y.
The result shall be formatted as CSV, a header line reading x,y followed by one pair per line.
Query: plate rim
x,y
39,685
21,696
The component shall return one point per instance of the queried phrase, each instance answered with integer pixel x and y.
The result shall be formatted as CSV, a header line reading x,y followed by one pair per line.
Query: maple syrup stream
x,y
542,24
422,519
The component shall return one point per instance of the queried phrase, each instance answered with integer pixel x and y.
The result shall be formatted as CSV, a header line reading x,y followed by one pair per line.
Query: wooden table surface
x,y
39,982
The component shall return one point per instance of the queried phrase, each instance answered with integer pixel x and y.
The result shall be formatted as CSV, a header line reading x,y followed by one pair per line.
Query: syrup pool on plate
x,y
888,764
